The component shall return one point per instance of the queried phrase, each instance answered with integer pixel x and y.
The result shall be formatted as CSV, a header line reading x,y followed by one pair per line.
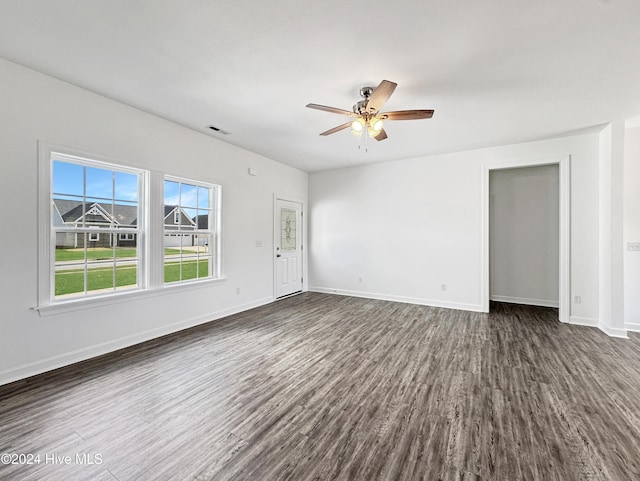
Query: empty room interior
x,y
316,241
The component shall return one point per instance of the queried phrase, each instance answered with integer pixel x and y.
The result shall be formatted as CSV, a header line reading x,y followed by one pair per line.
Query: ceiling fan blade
x,y
337,129
380,95
381,136
407,115
333,110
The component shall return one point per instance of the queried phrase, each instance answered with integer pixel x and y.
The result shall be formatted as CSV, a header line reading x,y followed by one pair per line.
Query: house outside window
x,y
101,235
92,203
190,230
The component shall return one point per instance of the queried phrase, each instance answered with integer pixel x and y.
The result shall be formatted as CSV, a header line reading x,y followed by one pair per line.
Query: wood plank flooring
x,y
319,387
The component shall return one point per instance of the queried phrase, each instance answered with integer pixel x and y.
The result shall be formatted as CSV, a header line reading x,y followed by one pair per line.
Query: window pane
x,y
202,249
172,244
171,193
99,275
125,214
126,263
126,187
69,264
172,255
203,197
202,219
201,244
66,247
171,271
69,281
67,178
203,268
98,213
288,229
189,218
99,183
186,256
171,217
189,267
188,195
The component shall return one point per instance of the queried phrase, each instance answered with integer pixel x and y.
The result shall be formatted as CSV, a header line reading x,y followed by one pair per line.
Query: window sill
x,y
72,305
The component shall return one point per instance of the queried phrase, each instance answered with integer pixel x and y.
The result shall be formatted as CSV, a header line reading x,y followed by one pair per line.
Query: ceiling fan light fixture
x,y
358,125
376,124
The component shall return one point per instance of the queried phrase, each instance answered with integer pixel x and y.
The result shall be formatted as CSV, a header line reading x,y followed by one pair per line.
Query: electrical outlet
x,y
443,287
360,280
633,246
237,290
577,299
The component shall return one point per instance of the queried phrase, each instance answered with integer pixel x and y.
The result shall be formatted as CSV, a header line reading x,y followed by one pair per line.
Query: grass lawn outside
x,y
191,269
102,253
71,281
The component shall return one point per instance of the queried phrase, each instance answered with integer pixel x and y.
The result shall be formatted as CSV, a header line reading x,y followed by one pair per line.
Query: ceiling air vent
x,y
217,129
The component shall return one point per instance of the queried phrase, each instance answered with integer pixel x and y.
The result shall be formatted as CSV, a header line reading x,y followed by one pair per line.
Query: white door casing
x,y
288,247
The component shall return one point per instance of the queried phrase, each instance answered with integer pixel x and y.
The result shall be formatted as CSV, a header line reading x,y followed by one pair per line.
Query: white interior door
x,y
288,247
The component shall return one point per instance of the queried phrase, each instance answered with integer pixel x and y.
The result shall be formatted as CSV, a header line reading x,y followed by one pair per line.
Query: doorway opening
x,y
524,235
526,245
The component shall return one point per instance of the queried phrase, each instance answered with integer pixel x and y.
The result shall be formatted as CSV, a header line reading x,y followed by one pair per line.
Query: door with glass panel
x,y
288,247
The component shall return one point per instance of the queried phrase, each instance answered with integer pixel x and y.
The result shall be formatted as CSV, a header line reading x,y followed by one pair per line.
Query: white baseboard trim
x,y
609,331
583,321
526,301
614,332
38,367
408,300
632,326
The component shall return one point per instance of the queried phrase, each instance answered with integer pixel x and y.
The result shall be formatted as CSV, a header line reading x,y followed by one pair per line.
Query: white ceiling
x,y
495,71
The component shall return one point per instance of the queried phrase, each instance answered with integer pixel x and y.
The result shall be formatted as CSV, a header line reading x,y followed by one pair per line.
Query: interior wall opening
x,y
524,235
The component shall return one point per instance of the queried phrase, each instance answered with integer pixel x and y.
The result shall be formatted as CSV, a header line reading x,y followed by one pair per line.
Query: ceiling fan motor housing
x,y
365,92
361,106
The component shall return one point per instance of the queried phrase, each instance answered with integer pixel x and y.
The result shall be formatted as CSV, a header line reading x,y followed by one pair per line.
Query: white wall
x,y
524,235
409,226
36,107
632,228
610,212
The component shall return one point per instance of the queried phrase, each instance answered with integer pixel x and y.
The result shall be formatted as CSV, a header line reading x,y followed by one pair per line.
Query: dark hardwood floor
x,y
319,387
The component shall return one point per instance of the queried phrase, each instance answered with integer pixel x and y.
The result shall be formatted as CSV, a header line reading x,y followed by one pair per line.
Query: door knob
x,y
278,255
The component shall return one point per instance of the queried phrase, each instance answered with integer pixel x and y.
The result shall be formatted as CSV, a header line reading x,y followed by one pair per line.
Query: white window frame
x,y
149,232
126,236
215,264
47,233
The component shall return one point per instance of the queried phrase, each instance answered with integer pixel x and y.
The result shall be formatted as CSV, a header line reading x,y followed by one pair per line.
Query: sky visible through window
x,y
185,195
101,184
68,180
